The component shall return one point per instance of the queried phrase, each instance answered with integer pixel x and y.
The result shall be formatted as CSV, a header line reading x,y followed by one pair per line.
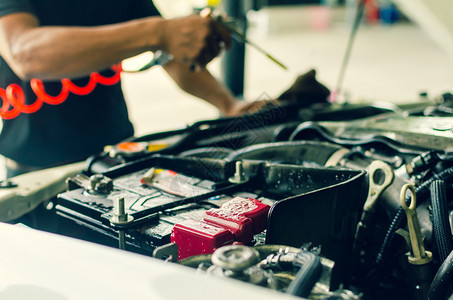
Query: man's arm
x,y
55,52
205,86
52,52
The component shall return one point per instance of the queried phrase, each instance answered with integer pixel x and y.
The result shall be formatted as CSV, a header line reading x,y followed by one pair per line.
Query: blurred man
x,y
55,39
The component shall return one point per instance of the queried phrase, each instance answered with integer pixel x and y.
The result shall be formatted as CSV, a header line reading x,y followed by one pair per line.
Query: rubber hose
x,y
400,217
441,224
441,287
307,276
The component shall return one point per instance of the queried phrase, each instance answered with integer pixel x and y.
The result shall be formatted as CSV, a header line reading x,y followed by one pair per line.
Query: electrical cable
x,y
13,97
441,224
441,287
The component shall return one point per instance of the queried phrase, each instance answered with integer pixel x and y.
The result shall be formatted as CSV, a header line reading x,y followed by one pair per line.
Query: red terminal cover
x,y
243,217
240,226
195,237
235,222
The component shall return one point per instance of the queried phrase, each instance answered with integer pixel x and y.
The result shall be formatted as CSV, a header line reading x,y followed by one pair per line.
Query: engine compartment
x,y
309,201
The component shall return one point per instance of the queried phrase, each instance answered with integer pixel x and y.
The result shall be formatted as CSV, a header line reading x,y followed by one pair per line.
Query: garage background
x,y
390,63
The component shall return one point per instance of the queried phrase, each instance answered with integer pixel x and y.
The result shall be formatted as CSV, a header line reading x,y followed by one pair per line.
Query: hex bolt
x,y
239,176
101,184
121,218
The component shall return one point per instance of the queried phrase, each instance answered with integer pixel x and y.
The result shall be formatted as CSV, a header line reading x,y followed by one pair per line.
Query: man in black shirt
x,y
54,39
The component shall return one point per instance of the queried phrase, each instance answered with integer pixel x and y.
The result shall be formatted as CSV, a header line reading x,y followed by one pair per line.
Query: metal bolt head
x,y
6,184
100,184
239,176
120,217
235,258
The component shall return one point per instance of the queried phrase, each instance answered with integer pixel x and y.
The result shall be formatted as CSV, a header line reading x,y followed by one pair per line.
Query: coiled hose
x,y
400,217
13,97
441,224
442,285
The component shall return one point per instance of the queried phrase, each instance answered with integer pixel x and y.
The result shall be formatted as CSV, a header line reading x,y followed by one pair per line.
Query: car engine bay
x,y
319,201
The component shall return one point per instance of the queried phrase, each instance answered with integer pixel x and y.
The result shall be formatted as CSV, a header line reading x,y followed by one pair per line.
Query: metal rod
x,y
241,37
355,27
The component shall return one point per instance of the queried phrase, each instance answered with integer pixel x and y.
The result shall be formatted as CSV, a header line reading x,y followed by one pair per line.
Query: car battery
x,y
156,200
195,203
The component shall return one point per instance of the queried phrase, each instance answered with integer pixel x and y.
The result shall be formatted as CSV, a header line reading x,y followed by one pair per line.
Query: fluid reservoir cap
x,y
235,257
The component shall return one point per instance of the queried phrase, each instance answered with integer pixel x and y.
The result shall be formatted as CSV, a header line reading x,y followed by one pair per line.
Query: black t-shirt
x,y
82,125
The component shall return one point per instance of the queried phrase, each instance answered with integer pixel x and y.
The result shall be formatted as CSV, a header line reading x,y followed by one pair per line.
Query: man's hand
x,y
194,40
240,108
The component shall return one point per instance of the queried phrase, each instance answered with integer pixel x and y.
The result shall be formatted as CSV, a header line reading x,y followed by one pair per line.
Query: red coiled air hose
x,y
14,98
